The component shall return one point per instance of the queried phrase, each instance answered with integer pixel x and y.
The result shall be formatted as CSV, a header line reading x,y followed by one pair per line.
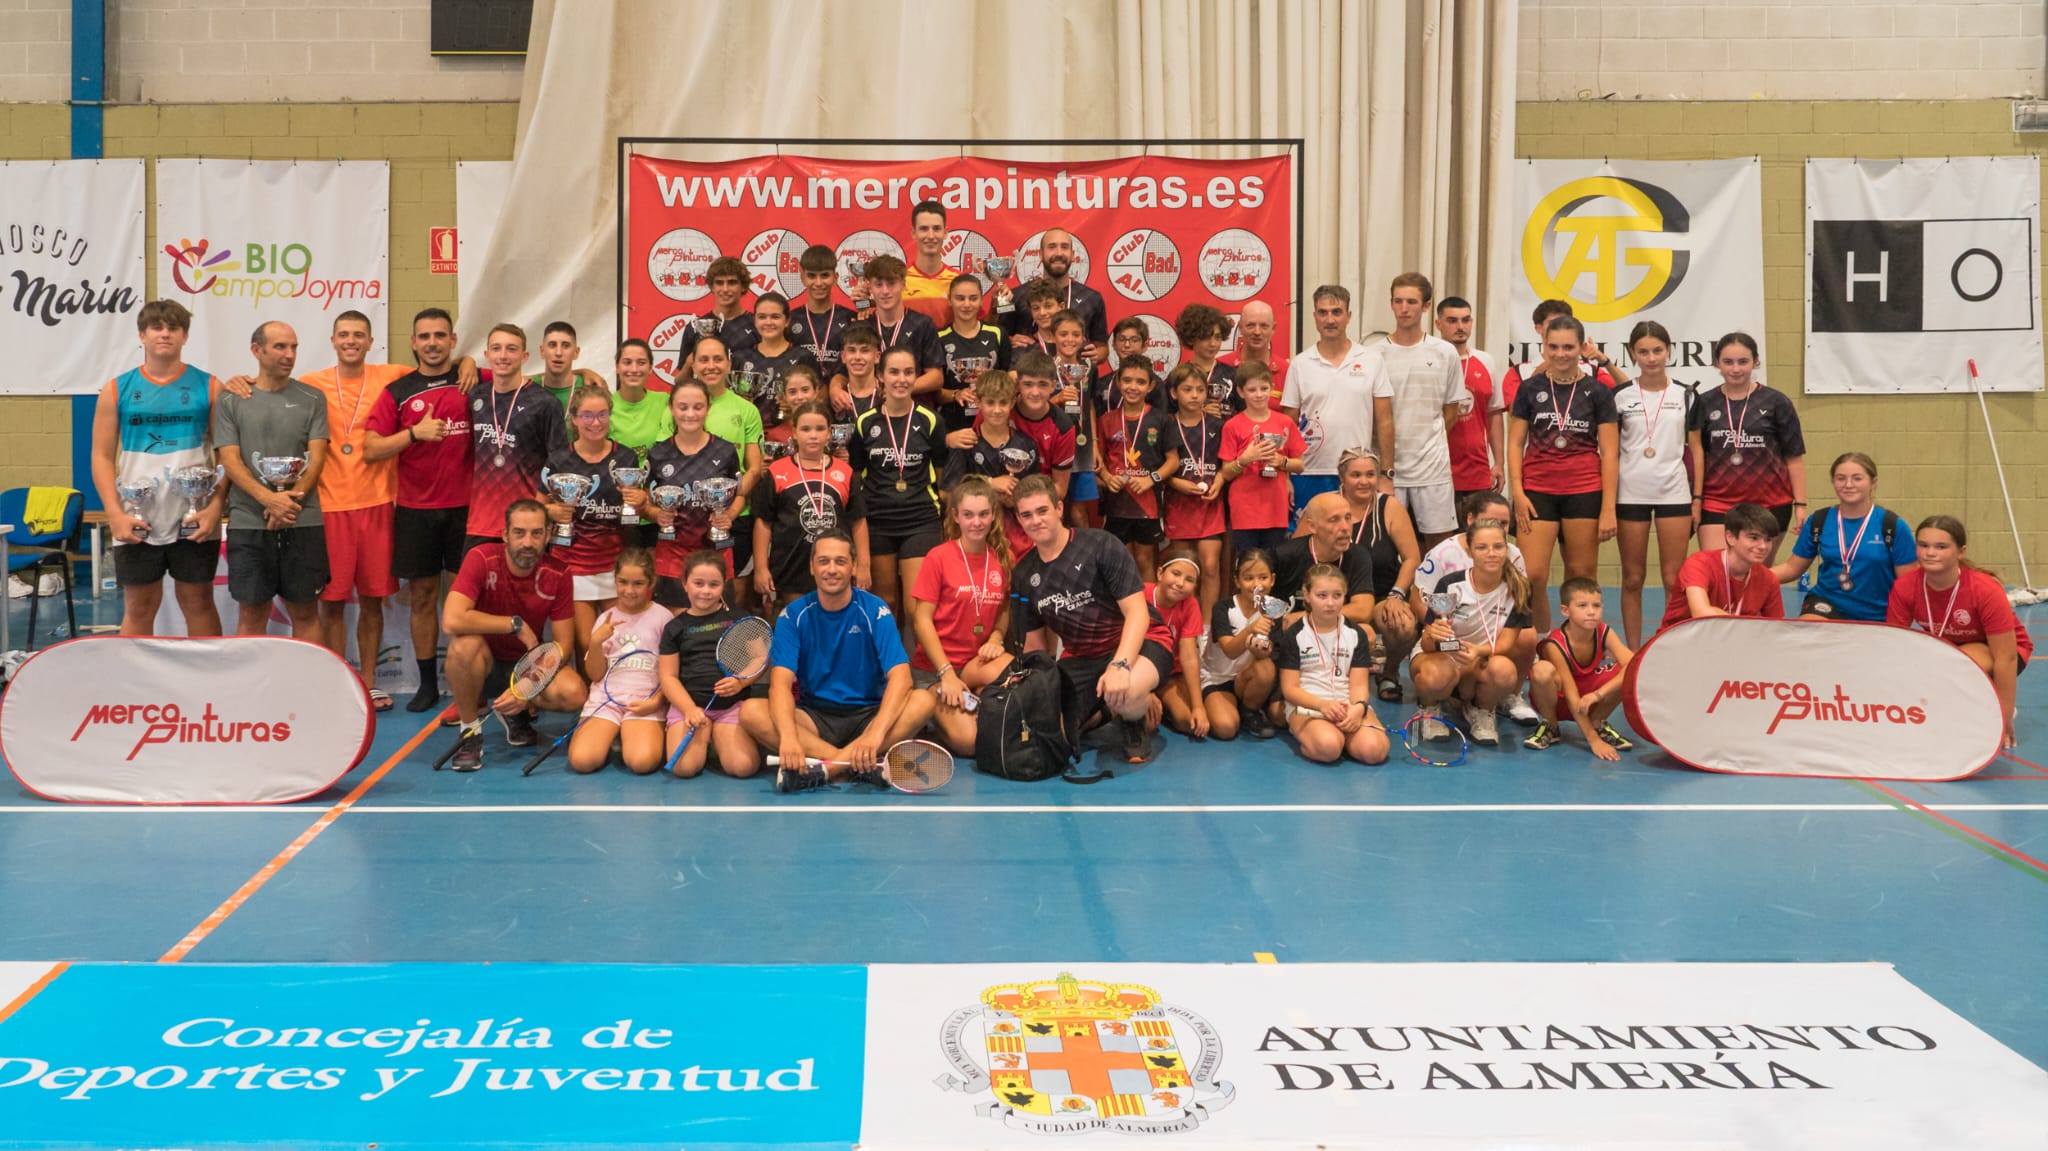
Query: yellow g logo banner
x,y
1600,246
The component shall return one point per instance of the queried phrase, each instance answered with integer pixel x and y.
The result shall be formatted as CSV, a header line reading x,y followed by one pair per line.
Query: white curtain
x,y
1406,107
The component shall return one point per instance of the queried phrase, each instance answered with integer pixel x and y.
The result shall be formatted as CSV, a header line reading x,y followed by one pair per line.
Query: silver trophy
x,y
630,476
1017,460
1444,603
968,370
857,270
668,497
1279,440
749,377
197,483
571,488
999,269
707,325
1219,388
713,495
772,450
841,433
133,494
1074,376
1273,609
280,472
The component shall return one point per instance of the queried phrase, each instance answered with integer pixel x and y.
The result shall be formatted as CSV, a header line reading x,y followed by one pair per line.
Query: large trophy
x,y
999,269
707,325
713,495
571,488
629,477
280,472
749,376
197,483
1017,461
1074,376
668,497
968,370
133,494
1444,603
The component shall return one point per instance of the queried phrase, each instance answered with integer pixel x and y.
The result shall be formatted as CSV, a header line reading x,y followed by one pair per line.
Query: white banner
x,y
71,273
241,242
1631,240
480,187
1412,1056
1915,269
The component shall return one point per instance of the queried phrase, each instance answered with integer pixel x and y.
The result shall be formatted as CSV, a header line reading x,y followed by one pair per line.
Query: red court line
x,y
233,903
34,989
1966,829
2025,762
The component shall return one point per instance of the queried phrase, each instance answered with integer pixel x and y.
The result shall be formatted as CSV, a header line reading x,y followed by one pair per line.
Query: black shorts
x,y
840,726
1266,539
471,543
914,544
1229,689
290,563
1081,675
185,561
427,541
1135,530
742,544
1782,513
1556,509
1644,513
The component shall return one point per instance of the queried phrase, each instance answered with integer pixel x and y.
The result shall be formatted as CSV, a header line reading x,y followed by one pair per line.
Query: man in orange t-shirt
x,y
927,281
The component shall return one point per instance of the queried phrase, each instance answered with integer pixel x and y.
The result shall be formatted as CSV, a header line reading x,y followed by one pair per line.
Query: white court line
x,y
918,808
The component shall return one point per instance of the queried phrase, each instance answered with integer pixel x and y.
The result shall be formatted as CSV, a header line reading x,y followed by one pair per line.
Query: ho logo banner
x,y
1152,233
1627,241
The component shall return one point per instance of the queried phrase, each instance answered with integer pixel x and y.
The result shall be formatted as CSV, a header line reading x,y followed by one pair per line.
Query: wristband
x,y
415,436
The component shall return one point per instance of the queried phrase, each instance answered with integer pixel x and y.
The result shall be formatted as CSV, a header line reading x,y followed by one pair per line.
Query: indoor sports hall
x,y
251,898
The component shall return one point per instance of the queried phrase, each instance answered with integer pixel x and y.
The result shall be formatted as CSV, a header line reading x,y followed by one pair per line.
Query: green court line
x,y
1996,851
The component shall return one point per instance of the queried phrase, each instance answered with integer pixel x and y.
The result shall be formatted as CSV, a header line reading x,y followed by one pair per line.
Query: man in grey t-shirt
x,y
276,548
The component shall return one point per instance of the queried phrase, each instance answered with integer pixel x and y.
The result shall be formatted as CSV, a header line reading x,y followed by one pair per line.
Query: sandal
x,y
1390,690
380,700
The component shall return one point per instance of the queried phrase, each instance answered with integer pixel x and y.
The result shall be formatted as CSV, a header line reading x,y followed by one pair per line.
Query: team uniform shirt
x,y
1451,556
1053,433
642,423
1017,456
1293,558
768,373
800,504
1333,403
1763,429
863,403
1085,302
1133,447
896,458
1191,517
515,433
986,342
915,331
1654,423
737,334
1108,392
265,423
630,633
670,465
822,334
1182,620
1258,500
1516,375
928,295
966,593
165,426
1322,658
1075,595
842,658
596,541
541,597
1471,451
1573,414
693,640
1427,378
1587,677
1477,619
1221,382
1756,594
1275,361
350,479
1970,612
436,474
1873,569
1229,618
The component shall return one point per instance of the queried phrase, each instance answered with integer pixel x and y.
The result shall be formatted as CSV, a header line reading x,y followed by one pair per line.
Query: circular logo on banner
x,y
771,259
666,341
968,251
1162,346
1027,260
1613,231
1144,264
861,247
1235,264
678,261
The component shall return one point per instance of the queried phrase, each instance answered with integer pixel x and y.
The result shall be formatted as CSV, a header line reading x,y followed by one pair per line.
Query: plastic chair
x,y
28,553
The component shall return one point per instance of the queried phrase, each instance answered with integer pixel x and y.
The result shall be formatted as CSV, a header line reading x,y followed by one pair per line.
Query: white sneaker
x,y
1483,729
1433,729
51,583
1519,710
19,588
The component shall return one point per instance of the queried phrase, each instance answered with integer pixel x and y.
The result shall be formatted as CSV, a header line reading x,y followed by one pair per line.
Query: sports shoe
x,y
1258,724
519,731
1433,728
1518,709
1483,730
1543,738
51,583
1137,742
791,778
425,698
469,749
19,588
1615,739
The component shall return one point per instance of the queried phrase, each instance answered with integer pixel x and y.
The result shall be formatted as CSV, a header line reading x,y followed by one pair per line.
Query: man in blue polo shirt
x,y
837,648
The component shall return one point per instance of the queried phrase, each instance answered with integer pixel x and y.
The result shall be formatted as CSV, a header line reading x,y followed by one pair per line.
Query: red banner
x,y
1153,234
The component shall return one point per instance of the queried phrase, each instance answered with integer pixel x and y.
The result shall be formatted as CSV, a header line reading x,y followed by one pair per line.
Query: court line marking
x,y
33,990
2043,771
999,809
254,883
1996,848
1264,957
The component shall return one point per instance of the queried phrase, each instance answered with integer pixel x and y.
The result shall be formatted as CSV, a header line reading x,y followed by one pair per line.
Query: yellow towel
x,y
44,509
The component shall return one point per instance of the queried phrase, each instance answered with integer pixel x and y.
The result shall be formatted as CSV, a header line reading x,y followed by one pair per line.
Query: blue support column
x,y
88,94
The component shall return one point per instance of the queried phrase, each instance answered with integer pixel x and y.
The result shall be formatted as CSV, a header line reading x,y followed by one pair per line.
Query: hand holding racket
x,y
530,677
633,659
742,655
914,766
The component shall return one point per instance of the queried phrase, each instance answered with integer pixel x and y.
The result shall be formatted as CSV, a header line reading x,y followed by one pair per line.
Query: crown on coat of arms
x,y
1066,997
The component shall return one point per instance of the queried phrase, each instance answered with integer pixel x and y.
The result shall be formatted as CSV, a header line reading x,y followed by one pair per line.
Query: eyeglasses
x,y
593,417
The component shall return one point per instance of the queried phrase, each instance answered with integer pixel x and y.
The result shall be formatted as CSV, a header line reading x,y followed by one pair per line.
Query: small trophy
x,y
772,450
668,497
713,495
1274,609
1278,440
999,269
968,370
1219,388
841,433
1443,603
280,472
1017,460
707,325
133,494
197,483
1074,376
858,271
571,488
631,476
749,377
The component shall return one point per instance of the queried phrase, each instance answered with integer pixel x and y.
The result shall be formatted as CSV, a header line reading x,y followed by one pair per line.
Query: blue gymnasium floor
x,y
1212,853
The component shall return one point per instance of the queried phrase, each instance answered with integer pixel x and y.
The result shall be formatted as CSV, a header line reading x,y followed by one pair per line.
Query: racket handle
x,y
677,758
776,761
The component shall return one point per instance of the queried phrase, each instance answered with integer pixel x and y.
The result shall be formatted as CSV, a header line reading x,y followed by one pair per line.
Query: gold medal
x,y
1649,453
978,629
901,486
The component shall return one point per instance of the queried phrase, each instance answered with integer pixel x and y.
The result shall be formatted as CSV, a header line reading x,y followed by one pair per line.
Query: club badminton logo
x,y
1162,343
1235,264
1067,1056
772,262
1144,264
195,267
680,262
1616,233
168,723
666,342
969,251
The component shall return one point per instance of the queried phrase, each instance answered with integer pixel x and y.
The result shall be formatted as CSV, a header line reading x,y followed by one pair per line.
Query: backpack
x,y
1815,521
1019,735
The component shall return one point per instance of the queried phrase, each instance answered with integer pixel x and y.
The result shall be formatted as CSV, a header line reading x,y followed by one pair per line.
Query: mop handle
x,y
2026,580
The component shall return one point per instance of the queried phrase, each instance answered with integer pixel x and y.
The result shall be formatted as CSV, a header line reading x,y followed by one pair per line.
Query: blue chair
x,y
28,553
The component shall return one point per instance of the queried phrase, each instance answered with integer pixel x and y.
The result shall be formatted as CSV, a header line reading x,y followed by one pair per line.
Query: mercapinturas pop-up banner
x,y
71,273
1917,268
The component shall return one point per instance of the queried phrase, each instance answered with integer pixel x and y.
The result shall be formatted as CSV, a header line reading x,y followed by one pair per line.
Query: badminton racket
x,y
742,654
638,659
530,676
915,766
1420,750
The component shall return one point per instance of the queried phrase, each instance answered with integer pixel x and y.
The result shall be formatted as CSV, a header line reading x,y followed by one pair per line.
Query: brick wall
x,y
35,50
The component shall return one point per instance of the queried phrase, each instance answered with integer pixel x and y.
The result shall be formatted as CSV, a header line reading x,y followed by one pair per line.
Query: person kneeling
x,y
627,708
1735,579
1466,651
501,599
1578,677
840,647
1325,667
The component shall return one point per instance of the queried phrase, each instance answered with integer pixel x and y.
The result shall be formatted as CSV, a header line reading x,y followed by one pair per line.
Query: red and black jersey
x,y
430,474
1191,517
1746,443
1052,432
540,597
799,504
669,465
596,541
1561,456
1075,594
1132,447
515,432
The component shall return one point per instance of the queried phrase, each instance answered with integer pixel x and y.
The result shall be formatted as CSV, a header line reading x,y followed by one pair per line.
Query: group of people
x,y
920,487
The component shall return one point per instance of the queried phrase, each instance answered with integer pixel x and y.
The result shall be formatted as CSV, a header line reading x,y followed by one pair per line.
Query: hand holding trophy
x,y
134,494
570,488
667,498
197,483
632,477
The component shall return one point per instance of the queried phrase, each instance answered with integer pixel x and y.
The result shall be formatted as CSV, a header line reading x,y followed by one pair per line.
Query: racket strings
x,y
918,766
744,648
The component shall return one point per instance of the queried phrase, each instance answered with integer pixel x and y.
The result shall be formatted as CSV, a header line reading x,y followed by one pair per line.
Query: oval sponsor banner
x,y
121,719
1832,700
